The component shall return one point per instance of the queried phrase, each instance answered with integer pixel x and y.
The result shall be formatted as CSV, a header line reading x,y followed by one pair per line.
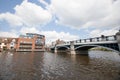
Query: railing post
x,y
106,38
90,39
80,40
85,40
103,37
115,37
118,39
97,39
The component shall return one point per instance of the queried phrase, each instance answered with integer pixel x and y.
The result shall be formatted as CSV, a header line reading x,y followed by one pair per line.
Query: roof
x,y
6,40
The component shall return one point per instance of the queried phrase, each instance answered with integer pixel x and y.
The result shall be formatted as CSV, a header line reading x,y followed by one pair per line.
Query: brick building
x,y
31,42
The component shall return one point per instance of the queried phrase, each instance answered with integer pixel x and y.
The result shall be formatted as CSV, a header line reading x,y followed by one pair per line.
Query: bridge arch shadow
x,y
87,47
62,48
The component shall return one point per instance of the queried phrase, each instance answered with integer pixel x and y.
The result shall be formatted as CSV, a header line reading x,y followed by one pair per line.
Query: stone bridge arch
x,y
62,48
87,47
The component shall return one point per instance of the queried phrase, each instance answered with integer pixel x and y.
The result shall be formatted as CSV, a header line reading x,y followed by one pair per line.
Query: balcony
x,y
25,43
23,50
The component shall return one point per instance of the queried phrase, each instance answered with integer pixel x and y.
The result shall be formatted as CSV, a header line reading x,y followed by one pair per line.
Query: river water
x,y
98,65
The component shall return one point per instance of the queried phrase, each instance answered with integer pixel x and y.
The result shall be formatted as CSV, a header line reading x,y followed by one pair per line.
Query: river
x,y
97,65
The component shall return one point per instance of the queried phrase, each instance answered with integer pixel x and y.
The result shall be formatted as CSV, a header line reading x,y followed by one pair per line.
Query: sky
x,y
59,19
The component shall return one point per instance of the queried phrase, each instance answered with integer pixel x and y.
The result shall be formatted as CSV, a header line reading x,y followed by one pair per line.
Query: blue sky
x,y
59,19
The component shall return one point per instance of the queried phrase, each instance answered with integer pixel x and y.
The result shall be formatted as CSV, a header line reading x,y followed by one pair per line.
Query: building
x,y
28,42
7,43
11,43
57,42
31,42
3,44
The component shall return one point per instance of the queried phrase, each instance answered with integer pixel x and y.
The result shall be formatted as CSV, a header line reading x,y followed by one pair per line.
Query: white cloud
x,y
28,14
25,30
98,32
53,36
12,19
43,2
87,13
8,34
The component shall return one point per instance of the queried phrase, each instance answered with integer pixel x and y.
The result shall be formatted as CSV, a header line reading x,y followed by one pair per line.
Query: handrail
x,y
95,39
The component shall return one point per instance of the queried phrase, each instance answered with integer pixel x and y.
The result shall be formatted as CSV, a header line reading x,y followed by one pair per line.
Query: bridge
x,y
83,45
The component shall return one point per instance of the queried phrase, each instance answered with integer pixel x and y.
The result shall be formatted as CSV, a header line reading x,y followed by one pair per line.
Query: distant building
x,y
3,44
7,43
12,43
57,42
31,42
60,41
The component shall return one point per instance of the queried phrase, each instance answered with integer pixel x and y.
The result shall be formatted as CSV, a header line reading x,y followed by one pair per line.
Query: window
x,y
12,43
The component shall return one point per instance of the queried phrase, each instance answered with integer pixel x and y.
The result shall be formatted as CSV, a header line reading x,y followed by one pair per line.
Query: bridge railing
x,y
96,39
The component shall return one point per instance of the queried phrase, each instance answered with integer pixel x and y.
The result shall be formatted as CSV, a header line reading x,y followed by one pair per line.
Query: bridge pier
x,y
55,50
72,49
118,39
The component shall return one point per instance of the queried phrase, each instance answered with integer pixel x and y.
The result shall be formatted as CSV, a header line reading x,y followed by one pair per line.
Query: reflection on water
x,y
97,65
